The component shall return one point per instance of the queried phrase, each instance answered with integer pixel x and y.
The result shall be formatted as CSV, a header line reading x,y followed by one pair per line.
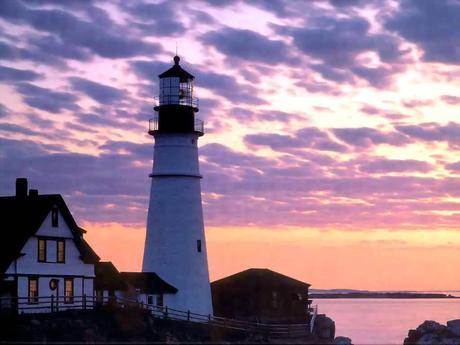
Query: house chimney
x,y
21,188
33,193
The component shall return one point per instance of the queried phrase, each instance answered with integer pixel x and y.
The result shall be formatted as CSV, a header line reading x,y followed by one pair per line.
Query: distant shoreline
x,y
405,295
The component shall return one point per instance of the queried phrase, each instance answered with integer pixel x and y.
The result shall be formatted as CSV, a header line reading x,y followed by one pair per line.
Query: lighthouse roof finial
x,y
176,59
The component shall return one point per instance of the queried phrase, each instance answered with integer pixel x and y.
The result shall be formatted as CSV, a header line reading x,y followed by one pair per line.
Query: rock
x,y
324,327
453,327
430,326
412,337
35,322
450,341
342,341
428,339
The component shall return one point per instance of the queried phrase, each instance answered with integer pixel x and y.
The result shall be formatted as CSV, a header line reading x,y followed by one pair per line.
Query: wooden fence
x,y
54,304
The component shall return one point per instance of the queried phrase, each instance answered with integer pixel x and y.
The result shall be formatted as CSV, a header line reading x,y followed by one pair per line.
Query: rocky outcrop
x,y
433,333
324,327
342,341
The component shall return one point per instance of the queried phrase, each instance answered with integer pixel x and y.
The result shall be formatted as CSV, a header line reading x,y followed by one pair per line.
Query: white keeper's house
x,y
42,251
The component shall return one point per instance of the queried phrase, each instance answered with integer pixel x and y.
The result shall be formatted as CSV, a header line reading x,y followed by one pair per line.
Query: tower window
x,y
41,250
198,246
68,290
54,217
33,290
60,251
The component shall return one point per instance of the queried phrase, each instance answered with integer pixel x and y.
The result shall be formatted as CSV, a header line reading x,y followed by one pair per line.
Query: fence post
x,y
166,312
209,317
52,303
188,315
84,301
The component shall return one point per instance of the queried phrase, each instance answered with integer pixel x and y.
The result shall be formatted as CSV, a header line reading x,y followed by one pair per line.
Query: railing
x,y
54,304
154,124
47,304
177,100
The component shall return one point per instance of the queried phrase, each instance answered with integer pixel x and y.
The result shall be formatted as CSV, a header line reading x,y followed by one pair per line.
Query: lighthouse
x,y
175,244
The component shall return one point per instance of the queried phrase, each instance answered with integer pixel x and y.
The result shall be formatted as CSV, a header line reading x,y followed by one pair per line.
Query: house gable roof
x,y
259,277
148,282
108,277
20,218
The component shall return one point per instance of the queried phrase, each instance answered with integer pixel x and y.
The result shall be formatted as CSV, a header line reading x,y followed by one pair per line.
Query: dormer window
x,y
54,217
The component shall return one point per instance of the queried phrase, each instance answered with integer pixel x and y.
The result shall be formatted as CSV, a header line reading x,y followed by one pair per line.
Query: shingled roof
x,y
148,282
260,277
108,277
20,218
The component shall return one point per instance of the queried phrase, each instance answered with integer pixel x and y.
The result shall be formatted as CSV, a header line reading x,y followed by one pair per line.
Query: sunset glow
x,y
332,133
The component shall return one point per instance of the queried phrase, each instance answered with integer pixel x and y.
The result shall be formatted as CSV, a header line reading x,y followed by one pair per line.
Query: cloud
x,y
449,133
247,45
450,99
432,25
383,166
453,166
337,42
86,181
365,137
106,40
304,138
157,19
101,93
13,74
46,99
4,111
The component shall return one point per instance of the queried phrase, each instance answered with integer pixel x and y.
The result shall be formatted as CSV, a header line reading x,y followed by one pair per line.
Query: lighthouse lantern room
x,y
175,245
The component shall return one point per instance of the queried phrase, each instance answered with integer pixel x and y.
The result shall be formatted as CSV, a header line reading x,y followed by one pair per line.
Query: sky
x,y
332,141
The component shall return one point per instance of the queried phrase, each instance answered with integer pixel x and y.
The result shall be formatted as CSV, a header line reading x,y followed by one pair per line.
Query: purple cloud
x,y
382,166
13,74
101,93
434,132
365,137
248,45
46,99
432,25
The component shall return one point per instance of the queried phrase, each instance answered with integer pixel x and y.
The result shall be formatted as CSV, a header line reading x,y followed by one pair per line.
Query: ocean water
x,y
385,321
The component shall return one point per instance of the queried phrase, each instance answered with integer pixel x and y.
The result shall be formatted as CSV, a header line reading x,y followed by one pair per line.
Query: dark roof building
x,y
108,277
261,295
148,283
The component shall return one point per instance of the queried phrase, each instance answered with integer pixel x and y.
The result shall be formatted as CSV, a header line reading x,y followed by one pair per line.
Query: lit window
x,y
68,290
33,290
41,250
60,254
54,217
159,301
198,246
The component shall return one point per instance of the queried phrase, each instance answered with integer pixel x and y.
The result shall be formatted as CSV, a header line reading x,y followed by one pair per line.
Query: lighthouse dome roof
x,y
177,71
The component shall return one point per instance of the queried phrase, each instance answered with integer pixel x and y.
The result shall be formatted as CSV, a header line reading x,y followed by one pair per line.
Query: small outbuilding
x,y
108,283
147,288
261,295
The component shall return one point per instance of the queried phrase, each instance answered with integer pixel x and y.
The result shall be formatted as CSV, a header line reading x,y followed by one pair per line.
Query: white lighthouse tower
x,y
175,245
